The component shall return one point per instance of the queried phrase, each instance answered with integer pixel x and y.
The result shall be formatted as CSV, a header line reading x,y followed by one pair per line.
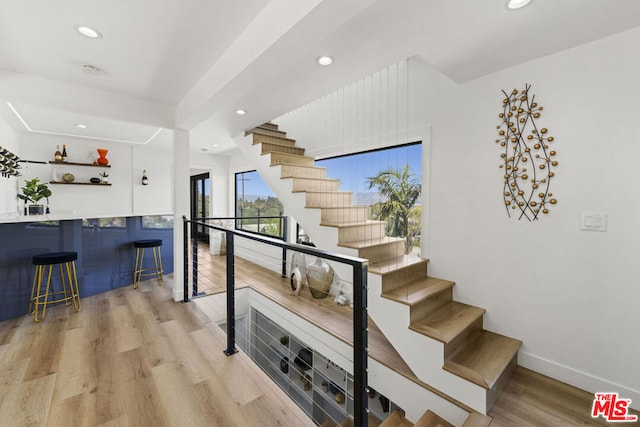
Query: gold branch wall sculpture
x,y
528,161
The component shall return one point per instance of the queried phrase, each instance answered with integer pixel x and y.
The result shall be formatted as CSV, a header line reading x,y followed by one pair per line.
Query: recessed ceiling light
x,y
81,126
91,69
517,4
241,112
324,60
89,32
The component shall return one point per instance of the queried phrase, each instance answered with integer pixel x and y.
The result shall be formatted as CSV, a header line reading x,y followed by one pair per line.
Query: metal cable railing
x,y
360,321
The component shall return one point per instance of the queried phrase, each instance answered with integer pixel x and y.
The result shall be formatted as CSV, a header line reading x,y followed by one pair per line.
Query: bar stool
x,y
66,261
140,271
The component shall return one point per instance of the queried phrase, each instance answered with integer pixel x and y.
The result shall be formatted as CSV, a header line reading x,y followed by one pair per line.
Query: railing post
x,y
360,346
185,277
283,233
258,229
231,311
194,245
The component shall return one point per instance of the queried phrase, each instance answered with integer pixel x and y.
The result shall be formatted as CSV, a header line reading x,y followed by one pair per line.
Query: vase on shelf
x,y
319,278
102,160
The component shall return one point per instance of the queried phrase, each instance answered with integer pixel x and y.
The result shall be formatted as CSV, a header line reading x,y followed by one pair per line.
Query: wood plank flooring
x,y
132,358
529,400
136,358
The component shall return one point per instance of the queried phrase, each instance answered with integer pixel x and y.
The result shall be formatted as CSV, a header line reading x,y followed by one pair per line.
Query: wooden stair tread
x,y
476,419
483,360
391,265
448,321
268,132
310,179
396,419
418,290
354,223
431,419
371,242
290,155
271,139
328,192
278,144
268,126
301,166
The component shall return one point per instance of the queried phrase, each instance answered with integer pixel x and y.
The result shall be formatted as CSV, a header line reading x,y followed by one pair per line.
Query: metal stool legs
x,y
140,271
40,299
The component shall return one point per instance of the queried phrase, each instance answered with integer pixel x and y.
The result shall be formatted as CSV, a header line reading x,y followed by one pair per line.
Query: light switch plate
x,y
593,221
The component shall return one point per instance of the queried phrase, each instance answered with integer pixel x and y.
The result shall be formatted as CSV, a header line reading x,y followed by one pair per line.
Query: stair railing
x,y
360,319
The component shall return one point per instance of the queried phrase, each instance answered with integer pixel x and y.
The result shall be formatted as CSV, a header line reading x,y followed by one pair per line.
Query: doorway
x,y
200,203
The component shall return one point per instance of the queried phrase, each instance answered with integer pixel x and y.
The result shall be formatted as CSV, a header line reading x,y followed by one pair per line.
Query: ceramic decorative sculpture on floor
x,y
319,277
298,272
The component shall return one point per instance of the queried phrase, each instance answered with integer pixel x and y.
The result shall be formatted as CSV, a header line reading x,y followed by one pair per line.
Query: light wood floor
x,y
529,399
136,358
132,358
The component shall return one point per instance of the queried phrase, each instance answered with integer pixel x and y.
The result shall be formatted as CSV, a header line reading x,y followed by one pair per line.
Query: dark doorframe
x,y
200,196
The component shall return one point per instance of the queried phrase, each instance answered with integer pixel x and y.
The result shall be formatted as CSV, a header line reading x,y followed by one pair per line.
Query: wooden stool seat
x,y
66,261
141,271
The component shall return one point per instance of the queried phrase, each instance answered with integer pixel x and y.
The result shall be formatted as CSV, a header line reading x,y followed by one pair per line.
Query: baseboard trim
x,y
577,378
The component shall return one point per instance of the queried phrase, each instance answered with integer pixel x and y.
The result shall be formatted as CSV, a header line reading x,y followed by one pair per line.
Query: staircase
x,y
442,340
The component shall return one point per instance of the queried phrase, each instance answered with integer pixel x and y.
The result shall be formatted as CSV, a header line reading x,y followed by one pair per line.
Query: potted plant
x,y
34,191
104,177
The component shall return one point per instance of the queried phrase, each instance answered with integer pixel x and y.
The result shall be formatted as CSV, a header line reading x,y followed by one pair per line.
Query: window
x,y
157,221
388,180
110,222
256,202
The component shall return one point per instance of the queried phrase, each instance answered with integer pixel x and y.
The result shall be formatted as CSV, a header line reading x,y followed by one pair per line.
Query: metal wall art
x,y
9,163
528,161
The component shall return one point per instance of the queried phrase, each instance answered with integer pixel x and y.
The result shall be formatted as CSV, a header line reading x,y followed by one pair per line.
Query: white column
x,y
180,205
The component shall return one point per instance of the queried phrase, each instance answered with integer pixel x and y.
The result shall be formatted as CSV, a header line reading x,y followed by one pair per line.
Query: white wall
x,y
126,195
570,295
10,140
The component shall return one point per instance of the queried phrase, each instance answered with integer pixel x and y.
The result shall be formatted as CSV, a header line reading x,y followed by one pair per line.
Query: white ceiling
x,y
191,63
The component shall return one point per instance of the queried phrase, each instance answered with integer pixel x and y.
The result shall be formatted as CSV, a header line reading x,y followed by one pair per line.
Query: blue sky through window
x,y
352,170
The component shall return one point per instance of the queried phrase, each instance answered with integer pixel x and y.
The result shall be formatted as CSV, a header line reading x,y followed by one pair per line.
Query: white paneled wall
x,y
369,113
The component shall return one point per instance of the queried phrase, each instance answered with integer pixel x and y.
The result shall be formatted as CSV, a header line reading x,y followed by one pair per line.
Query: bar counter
x,y
106,255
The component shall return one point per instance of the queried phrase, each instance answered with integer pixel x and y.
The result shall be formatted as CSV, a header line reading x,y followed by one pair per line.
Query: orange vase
x,y
102,160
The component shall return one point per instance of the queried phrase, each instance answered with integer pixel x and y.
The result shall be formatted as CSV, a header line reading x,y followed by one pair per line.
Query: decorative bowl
x,y
68,177
95,180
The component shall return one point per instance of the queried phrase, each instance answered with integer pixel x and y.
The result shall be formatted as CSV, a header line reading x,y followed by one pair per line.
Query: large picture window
x,y
257,206
388,180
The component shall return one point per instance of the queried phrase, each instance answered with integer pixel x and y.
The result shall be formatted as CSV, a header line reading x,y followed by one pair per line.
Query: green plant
x,y
103,174
284,340
34,191
401,190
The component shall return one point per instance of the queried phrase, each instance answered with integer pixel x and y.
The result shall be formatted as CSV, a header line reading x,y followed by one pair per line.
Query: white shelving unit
x,y
275,350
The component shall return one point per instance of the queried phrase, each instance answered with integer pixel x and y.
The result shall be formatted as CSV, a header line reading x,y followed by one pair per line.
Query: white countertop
x,y
64,215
